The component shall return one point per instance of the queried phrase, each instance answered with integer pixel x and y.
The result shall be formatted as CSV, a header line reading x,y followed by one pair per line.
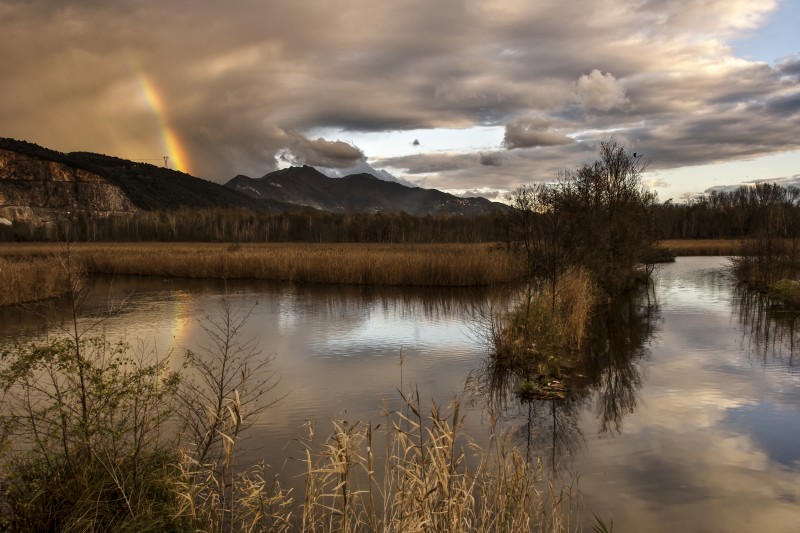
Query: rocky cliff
x,y
38,190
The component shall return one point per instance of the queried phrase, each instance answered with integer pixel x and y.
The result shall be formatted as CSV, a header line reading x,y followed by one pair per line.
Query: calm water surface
x,y
688,418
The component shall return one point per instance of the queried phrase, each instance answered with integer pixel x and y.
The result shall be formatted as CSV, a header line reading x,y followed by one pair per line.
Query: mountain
x,y
38,190
306,186
39,183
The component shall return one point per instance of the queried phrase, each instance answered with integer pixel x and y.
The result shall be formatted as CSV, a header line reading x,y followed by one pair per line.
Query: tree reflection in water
x,y
608,375
770,335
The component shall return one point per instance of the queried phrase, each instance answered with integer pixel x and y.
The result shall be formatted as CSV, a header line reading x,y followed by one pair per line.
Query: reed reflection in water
x,y
770,335
686,417
607,382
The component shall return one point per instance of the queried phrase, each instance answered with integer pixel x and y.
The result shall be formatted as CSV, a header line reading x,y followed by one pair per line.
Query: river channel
x,y
687,419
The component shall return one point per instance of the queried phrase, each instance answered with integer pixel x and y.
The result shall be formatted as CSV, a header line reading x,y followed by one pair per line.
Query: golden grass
x,y
30,280
541,335
453,265
697,247
429,477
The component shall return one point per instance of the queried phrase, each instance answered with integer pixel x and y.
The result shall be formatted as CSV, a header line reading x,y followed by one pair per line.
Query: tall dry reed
x,y
453,265
545,330
704,247
27,280
430,477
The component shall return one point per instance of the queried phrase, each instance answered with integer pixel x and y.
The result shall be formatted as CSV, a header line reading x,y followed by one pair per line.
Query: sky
x,y
474,97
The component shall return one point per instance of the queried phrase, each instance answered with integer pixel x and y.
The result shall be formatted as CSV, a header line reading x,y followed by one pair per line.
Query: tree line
x,y
245,225
738,213
741,212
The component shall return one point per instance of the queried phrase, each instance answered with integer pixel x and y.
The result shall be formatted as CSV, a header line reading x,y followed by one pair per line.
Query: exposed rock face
x,y
37,190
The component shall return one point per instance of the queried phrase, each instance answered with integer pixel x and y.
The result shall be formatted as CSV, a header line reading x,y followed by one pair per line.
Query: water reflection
x,y
608,375
618,342
769,335
685,418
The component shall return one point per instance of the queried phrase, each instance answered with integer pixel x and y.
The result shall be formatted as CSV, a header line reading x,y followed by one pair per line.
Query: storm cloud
x,y
248,92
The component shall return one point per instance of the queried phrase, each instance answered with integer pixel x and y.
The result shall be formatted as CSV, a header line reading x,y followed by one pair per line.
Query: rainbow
x,y
178,155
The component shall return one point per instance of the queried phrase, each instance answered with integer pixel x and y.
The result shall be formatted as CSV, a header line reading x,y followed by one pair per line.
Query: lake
x,y
687,419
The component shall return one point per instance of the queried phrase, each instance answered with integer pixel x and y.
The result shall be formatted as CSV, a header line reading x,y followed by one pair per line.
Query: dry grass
x,y
697,247
453,265
30,280
430,478
540,339
543,325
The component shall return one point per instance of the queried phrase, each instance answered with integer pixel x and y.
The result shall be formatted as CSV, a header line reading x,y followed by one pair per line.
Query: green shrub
x,y
786,291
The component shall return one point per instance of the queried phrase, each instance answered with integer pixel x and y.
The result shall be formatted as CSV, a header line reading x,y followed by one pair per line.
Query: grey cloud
x,y
532,132
428,163
793,181
489,194
322,153
491,159
600,91
790,66
656,183
785,105
465,171
262,74
364,168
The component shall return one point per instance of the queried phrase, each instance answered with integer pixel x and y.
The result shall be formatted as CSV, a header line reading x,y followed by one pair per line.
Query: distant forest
x,y
739,213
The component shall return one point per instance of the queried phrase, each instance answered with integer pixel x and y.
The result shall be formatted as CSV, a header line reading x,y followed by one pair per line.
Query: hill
x,y
143,186
306,186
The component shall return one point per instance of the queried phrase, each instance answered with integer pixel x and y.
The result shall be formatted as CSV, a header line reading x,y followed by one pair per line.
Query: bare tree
x,y
226,374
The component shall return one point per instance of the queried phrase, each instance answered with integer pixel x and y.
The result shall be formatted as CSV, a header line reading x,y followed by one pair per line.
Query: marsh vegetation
x,y
33,270
585,240
103,435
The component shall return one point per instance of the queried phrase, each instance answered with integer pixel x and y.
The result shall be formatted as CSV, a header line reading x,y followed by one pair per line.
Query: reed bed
x,y
540,338
702,247
429,477
543,325
452,265
27,280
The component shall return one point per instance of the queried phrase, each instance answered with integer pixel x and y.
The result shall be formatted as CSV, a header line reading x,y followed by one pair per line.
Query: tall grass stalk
x,y
433,478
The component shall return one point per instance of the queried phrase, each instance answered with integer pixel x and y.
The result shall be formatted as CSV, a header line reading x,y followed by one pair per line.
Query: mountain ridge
x,y
37,183
147,187
361,192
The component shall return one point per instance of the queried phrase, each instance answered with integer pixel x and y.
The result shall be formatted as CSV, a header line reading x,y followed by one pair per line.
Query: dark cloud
x,y
785,105
532,132
262,74
491,159
322,153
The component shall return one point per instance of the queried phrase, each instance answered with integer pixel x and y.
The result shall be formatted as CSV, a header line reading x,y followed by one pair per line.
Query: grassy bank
x,y
445,265
541,337
30,279
698,247
87,448
33,271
